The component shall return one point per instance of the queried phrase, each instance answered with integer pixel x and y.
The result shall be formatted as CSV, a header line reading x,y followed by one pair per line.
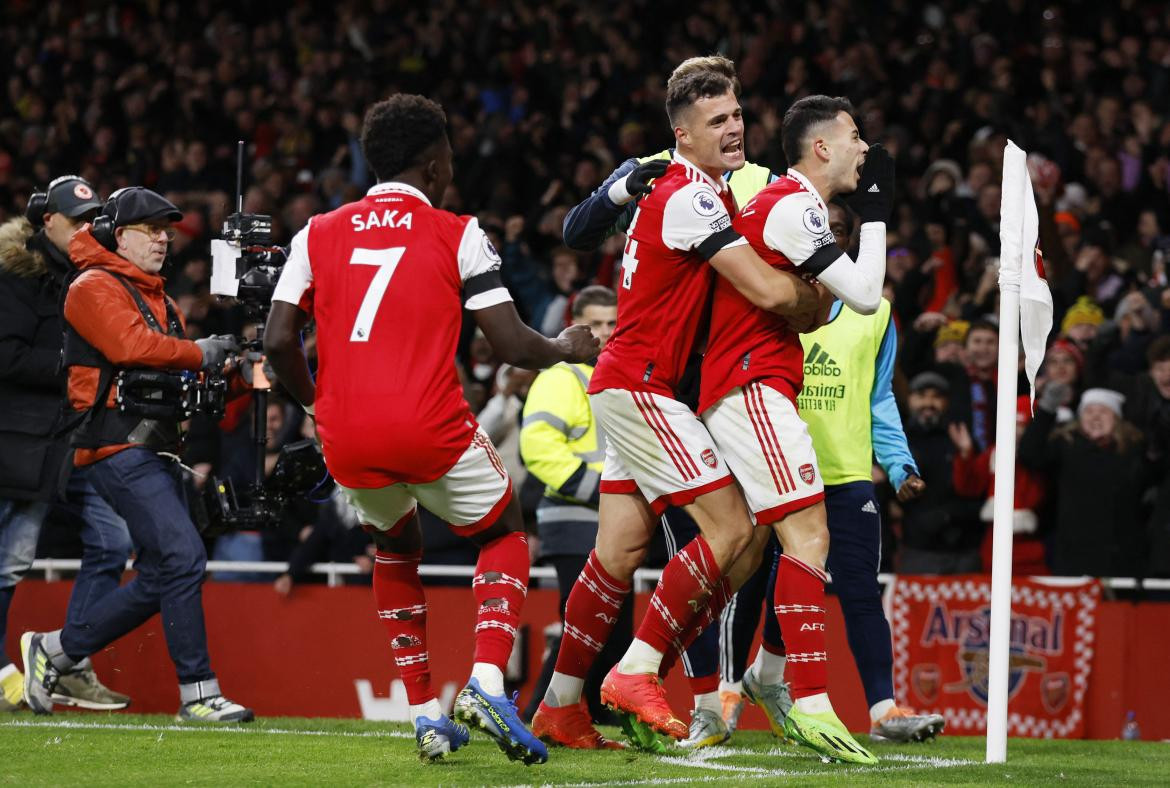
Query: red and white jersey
x,y
386,278
665,280
787,225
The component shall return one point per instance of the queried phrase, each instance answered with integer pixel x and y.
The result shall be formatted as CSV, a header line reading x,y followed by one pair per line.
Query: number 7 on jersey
x,y
387,261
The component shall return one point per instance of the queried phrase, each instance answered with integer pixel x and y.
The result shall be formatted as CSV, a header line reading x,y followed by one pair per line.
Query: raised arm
x,y
600,214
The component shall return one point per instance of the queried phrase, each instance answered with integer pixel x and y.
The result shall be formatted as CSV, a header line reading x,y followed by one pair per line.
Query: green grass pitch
x,y
122,749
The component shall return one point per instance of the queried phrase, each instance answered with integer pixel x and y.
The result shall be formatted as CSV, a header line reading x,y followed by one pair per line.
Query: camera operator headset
x,y
118,320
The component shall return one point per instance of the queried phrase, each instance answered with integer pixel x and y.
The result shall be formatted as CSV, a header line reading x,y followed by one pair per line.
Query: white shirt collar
x,y
718,184
799,177
386,187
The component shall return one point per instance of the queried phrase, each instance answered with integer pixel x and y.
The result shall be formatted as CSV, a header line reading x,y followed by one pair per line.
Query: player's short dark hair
x,y
398,130
803,116
697,78
1159,350
594,295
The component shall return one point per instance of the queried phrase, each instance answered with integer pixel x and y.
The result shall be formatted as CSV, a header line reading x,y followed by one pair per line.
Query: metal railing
x,y
644,579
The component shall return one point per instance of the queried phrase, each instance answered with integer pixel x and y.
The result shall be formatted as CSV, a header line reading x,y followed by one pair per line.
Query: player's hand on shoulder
x,y
638,181
578,344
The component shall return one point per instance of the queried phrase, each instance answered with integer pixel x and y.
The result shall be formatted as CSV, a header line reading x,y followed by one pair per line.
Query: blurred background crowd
x,y
545,99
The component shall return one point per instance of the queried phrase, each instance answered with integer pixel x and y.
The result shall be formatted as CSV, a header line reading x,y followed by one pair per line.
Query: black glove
x,y
216,349
637,182
873,200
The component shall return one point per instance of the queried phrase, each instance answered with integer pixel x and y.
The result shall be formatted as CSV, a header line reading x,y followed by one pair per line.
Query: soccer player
x,y
658,453
753,372
848,372
386,279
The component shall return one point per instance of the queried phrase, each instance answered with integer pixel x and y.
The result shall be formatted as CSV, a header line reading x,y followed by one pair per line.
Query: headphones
x,y
38,202
103,226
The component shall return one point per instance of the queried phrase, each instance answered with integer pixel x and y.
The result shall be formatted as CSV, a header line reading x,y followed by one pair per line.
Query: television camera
x,y
246,265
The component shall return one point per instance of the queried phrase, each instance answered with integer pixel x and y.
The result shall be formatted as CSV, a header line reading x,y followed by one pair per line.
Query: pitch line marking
x,y
146,727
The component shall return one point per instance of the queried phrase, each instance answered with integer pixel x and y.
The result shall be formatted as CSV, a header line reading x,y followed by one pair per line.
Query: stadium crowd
x,y
545,99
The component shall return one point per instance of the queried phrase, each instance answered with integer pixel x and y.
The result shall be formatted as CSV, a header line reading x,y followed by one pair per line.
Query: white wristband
x,y
618,194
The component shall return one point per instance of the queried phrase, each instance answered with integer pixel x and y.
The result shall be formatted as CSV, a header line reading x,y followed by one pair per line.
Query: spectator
x,y
1099,469
974,477
941,532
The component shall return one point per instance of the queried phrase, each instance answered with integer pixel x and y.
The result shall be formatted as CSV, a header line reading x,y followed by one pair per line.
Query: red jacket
x,y
104,314
974,477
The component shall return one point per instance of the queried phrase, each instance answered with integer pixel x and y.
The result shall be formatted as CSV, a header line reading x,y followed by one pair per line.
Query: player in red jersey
x,y
658,453
752,373
387,278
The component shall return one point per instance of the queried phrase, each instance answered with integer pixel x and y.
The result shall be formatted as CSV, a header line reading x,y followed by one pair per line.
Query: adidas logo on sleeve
x,y
874,189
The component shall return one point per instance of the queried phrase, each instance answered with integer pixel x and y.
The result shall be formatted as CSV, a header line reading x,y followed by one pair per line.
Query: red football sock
x,y
402,607
701,685
590,614
800,608
500,585
707,617
687,585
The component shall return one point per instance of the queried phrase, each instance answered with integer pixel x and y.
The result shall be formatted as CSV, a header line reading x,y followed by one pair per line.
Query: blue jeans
x,y
20,527
105,547
146,491
239,546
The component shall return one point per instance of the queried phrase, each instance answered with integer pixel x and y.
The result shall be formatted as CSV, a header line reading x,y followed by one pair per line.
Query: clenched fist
x,y
578,344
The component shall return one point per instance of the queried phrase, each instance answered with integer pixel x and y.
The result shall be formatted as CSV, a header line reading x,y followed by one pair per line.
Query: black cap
x,y
138,204
71,195
930,380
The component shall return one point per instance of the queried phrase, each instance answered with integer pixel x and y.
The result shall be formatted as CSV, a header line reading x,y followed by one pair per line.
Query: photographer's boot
x,y
81,687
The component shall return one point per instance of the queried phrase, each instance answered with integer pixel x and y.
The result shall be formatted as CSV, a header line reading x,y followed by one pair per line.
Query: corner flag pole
x,y
1011,255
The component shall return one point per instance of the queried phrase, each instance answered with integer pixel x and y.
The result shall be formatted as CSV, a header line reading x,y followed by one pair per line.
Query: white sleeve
x,y
695,219
479,268
296,278
798,229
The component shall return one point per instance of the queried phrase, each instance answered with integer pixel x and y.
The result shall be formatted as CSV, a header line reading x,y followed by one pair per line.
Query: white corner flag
x,y
1025,307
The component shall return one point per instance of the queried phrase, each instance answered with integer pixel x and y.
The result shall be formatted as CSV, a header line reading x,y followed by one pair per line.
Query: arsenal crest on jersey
x,y
807,473
709,458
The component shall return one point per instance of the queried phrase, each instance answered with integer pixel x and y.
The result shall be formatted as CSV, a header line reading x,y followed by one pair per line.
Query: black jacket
x,y
940,520
32,381
1100,519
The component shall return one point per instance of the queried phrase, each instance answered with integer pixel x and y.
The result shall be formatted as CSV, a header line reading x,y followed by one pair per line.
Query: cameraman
x,y
119,319
34,265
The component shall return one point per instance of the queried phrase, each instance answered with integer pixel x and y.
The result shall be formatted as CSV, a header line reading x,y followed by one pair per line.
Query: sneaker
x,y
570,726
773,699
901,726
496,716
825,734
217,708
438,738
707,730
732,703
41,676
642,696
80,687
11,688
